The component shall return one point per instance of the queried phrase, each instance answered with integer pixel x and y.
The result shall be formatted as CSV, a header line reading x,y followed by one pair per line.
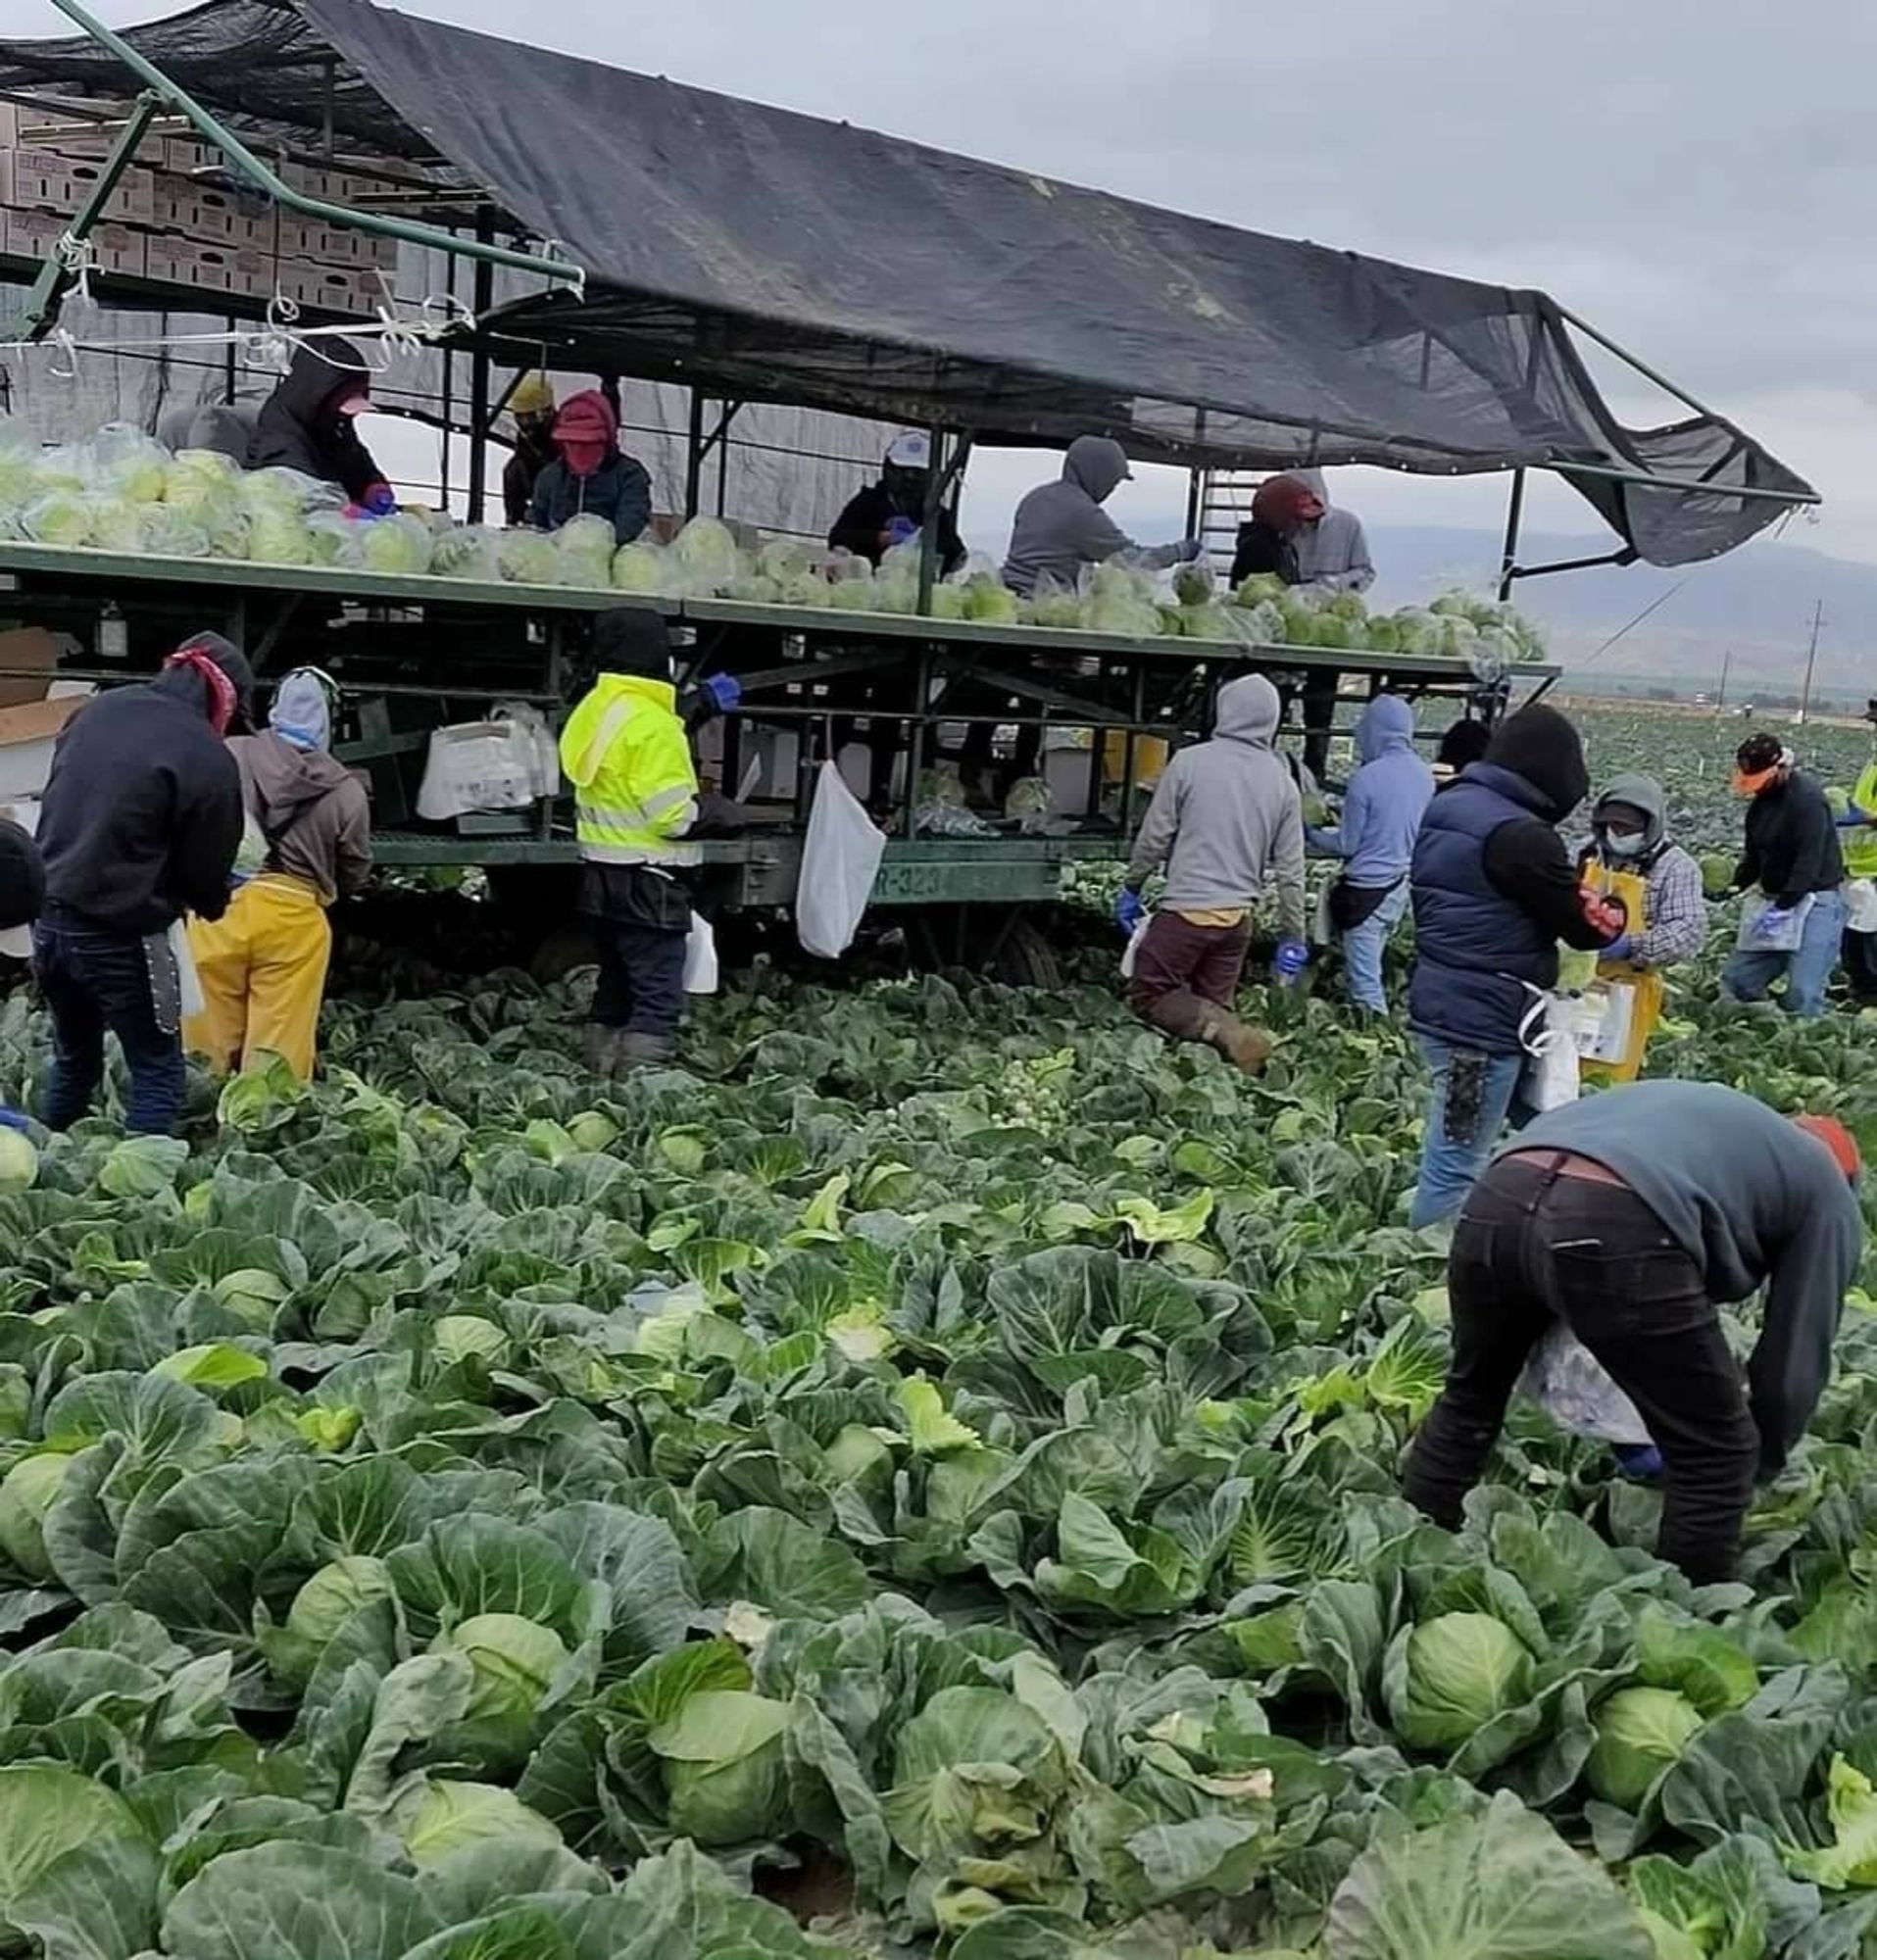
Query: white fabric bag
x,y
1549,1035
480,765
1601,1019
1569,1384
1861,906
840,859
189,998
1789,935
1131,950
700,957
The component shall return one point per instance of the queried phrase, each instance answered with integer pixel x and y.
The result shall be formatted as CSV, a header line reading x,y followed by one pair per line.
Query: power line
x,y
1661,599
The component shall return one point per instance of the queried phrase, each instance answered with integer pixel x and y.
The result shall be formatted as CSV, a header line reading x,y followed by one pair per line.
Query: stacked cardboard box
x,y
171,222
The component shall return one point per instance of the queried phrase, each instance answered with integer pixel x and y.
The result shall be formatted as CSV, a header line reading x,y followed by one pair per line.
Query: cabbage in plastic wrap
x,y
287,491
116,526
526,557
469,551
121,462
164,531
705,557
67,465
585,548
638,567
786,558
400,543
18,469
64,518
329,538
277,536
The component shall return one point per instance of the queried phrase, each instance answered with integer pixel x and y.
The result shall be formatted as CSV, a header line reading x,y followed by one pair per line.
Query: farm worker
x,y
1630,859
22,892
1494,892
1461,744
532,407
1281,507
308,423
1628,1218
1060,527
1858,827
261,964
891,511
590,473
1224,821
1793,860
1382,811
1332,549
635,793
140,823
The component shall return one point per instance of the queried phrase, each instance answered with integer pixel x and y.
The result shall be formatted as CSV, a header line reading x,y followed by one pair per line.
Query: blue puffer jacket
x,y
1475,950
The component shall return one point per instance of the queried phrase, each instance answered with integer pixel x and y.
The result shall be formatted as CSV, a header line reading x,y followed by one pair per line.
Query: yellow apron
x,y
1647,987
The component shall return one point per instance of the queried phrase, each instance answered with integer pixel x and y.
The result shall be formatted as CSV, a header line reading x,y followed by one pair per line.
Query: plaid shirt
x,y
1677,913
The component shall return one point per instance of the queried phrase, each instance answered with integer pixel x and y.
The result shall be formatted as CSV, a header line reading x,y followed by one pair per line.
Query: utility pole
x,y
1720,693
1811,660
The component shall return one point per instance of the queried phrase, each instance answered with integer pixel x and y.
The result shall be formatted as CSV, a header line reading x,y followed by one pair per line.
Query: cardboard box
x,y
334,289
204,211
35,235
35,651
44,180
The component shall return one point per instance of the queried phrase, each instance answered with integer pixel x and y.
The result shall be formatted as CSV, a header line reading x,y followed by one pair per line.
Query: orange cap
x,y
1838,1140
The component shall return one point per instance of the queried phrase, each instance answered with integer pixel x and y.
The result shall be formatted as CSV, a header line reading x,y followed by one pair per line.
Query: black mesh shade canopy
x,y
764,255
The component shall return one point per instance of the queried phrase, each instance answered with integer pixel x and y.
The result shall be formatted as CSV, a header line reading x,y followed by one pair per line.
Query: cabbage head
x,y
724,1766
253,1295
444,1817
705,557
990,602
25,1497
526,557
63,517
334,1596
466,551
400,543
583,549
1640,1731
279,536
1460,1671
459,1336
638,567
515,1660
18,1162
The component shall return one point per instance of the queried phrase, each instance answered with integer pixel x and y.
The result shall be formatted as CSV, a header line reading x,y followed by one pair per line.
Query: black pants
x,y
1532,1245
1859,953
641,985
93,981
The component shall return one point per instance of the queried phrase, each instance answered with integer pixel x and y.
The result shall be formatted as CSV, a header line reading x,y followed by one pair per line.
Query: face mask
x,y
1620,845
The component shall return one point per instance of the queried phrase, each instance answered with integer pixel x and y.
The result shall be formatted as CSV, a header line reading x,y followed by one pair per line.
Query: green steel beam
x,y
57,274
251,166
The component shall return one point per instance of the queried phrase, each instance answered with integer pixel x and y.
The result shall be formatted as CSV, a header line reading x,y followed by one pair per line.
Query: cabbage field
x,y
919,1476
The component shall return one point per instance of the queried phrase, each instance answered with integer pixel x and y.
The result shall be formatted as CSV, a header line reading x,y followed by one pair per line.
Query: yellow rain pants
x,y
263,968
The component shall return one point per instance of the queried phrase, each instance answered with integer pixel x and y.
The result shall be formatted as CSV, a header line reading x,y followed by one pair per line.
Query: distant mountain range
x,y
1757,602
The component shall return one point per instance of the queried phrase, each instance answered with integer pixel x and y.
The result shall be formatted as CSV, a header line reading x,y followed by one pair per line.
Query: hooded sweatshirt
x,y
1226,819
1388,796
1676,911
141,817
1060,527
311,808
300,426
590,473
1332,552
1754,1201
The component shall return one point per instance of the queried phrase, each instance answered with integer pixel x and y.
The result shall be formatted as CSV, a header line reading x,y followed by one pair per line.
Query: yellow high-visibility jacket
x,y
624,750
1860,844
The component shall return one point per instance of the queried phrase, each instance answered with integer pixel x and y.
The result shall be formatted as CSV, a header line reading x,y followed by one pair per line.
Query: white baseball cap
x,y
911,451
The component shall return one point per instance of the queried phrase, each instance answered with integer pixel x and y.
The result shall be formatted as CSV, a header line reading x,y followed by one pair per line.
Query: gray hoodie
x,y
1226,817
1060,527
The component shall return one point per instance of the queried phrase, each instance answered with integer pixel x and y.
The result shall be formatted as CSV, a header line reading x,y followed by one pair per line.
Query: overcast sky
x,y
1696,176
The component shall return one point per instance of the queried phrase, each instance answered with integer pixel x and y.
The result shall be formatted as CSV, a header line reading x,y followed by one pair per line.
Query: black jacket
x,y
519,475
867,513
619,491
1792,842
1261,549
299,428
142,815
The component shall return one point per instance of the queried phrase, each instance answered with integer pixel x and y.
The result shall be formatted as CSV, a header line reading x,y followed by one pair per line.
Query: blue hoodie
x,y
1387,798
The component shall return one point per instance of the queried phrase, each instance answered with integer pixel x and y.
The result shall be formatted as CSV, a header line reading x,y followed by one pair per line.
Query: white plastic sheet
x,y
840,859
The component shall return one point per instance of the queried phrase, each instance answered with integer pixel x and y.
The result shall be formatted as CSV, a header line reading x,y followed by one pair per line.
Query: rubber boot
x,y
599,1047
636,1050
1248,1049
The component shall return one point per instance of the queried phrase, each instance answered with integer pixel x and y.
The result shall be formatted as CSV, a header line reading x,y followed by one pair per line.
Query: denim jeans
x,y
1363,949
641,985
1750,975
1473,1097
1533,1247
93,981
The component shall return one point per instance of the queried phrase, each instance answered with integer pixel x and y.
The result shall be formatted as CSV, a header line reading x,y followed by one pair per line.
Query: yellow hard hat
x,y
533,395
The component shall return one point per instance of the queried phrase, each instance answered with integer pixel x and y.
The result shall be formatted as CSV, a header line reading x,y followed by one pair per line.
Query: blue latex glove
x,y
11,1119
1772,922
901,530
1619,948
1640,1462
380,500
1130,912
1293,956
1857,819
1190,549
722,691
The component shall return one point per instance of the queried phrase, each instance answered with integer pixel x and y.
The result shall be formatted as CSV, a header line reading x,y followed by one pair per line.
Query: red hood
x,y
586,418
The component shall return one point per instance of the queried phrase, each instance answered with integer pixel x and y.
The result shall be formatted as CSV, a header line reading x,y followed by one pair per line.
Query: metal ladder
x,y
1223,501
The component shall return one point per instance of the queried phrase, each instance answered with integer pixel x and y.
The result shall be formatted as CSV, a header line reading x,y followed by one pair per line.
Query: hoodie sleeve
x,y
633,512
1677,927
1528,863
1287,865
1347,838
1791,1362
208,834
1099,538
1159,828
541,505
352,847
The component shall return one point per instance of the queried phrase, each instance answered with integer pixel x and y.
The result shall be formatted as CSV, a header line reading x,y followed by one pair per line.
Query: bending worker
x,y
1629,1216
636,803
1382,811
1631,860
892,511
307,844
1060,527
1226,820
310,424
